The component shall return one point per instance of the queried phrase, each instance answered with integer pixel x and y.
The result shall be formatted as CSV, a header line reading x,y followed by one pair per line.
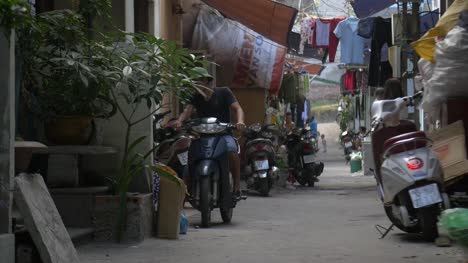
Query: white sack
x,y
246,58
450,74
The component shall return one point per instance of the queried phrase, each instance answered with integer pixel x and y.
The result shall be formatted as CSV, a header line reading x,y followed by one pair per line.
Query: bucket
x,y
356,166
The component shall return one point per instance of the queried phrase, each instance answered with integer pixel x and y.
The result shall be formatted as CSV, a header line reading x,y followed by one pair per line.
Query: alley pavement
x,y
334,222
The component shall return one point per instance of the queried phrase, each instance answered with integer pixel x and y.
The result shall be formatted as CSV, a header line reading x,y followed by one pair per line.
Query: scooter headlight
x,y
267,134
209,128
256,127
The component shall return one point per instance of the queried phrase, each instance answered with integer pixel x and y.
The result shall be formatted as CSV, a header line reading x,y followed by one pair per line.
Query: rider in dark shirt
x,y
219,103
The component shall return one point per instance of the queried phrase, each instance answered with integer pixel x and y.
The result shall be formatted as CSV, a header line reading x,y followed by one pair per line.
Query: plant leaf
x,y
136,142
84,79
127,70
199,72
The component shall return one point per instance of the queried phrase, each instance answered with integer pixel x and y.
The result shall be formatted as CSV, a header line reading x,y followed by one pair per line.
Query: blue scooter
x,y
210,180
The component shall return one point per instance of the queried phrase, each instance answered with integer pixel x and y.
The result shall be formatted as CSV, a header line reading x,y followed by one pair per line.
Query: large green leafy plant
x,y
62,73
141,68
13,14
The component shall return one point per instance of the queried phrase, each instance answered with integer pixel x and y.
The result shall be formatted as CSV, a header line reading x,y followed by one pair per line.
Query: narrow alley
x,y
334,222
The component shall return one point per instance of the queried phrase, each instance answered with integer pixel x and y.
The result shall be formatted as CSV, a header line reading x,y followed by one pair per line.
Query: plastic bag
x,y
449,76
454,223
425,47
183,224
356,156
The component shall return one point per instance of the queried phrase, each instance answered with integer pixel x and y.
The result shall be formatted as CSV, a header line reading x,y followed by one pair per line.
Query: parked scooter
x,y
260,158
172,147
210,179
348,142
409,175
301,157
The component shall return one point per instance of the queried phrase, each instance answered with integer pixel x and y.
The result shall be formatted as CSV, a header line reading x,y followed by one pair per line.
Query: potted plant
x,y
62,76
140,70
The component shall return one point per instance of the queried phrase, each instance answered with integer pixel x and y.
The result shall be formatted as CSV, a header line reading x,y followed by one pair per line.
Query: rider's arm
x,y
185,115
237,109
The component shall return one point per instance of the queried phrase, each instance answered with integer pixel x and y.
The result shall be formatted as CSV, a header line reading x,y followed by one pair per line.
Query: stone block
x,y
42,220
7,248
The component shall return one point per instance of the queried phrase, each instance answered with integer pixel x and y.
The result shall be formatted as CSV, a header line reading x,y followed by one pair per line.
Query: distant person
x,y
392,89
379,93
313,126
362,132
289,125
324,143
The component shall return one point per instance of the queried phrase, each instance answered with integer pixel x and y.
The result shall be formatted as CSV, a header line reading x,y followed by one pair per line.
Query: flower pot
x,y
70,130
139,218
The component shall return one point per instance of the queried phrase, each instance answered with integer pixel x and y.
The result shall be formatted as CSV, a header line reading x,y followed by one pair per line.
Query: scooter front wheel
x,y
226,214
205,202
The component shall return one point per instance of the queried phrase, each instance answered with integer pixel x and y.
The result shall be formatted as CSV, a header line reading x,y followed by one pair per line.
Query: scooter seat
x,y
408,145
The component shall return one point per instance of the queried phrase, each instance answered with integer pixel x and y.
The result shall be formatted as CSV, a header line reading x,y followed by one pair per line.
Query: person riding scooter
x,y
218,102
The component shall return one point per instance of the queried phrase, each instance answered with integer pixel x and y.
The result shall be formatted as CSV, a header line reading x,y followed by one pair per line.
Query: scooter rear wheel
x,y
428,222
205,202
397,223
264,187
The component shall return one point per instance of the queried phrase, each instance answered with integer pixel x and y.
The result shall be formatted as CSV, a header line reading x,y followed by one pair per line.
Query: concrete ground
x,y
334,222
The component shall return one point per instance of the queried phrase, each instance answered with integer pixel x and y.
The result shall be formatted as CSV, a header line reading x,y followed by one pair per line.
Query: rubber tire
x,y
301,180
264,187
428,222
397,223
226,214
205,202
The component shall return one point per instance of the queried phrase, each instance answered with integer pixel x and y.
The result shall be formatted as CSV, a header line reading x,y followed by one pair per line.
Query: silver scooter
x,y
408,173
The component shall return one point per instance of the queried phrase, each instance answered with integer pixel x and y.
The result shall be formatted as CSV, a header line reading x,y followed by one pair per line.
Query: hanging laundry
x,y
289,87
332,45
310,35
352,45
305,113
350,81
306,82
382,34
366,27
322,33
306,32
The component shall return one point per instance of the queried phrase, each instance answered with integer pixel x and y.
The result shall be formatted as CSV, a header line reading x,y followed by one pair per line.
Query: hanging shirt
x,y
332,45
322,33
366,27
352,45
382,34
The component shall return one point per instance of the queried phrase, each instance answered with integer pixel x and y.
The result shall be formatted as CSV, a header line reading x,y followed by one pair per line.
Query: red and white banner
x,y
246,59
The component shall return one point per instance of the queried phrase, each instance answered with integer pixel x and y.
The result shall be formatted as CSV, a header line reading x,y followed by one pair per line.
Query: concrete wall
x,y
252,101
114,128
170,23
7,135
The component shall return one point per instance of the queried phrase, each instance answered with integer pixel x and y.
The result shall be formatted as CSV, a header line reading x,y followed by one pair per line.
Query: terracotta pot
x,y
70,130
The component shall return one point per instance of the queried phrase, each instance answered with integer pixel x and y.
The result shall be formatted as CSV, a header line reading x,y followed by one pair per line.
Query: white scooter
x,y
408,173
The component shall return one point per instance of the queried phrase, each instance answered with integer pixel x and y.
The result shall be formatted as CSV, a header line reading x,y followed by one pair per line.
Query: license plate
x,y
348,144
308,158
425,196
262,165
183,158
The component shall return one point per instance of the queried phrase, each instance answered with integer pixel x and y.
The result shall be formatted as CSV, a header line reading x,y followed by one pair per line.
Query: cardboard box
x,y
449,144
